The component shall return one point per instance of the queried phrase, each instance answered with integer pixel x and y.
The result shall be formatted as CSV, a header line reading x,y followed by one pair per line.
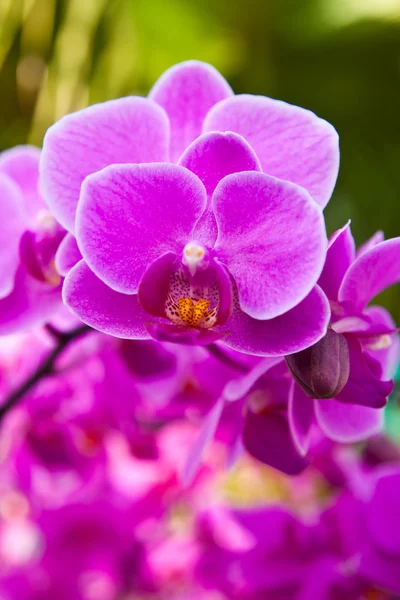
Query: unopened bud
x,y
323,369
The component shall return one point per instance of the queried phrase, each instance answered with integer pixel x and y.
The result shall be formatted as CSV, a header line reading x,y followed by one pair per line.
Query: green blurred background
x,y
339,58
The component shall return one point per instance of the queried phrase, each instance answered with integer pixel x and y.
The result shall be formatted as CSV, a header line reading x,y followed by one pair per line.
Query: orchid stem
x,y
45,369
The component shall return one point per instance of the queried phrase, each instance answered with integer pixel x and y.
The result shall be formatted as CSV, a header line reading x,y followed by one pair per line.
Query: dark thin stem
x,y
222,356
44,370
54,332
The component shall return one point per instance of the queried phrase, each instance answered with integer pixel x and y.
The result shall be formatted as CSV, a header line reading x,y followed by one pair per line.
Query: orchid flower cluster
x,y
177,329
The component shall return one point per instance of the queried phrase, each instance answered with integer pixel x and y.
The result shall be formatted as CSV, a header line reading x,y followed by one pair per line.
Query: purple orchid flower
x,y
369,346
351,549
273,419
30,287
380,562
289,559
227,243
254,409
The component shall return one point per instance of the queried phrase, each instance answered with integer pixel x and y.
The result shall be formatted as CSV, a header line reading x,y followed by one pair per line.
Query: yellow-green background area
x,y
339,58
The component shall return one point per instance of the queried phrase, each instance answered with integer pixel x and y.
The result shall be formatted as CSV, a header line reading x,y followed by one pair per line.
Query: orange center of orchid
x,y
192,312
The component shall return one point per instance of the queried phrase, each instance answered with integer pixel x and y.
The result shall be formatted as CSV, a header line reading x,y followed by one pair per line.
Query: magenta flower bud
x,y
323,369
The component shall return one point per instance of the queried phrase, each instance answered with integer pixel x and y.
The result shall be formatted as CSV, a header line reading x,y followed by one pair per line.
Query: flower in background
x,y
164,251
349,370
30,286
348,550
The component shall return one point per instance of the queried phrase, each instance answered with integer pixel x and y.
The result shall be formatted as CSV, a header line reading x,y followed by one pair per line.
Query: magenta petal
x,y
301,417
297,329
211,157
127,130
384,346
372,272
31,303
129,215
340,255
12,226
100,307
21,164
236,389
364,386
154,285
273,242
225,293
67,255
187,91
375,239
204,439
175,334
292,143
381,570
268,438
347,423
383,516
214,155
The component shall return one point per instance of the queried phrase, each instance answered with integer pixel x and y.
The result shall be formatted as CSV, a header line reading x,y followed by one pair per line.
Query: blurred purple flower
x,y
30,286
350,282
349,550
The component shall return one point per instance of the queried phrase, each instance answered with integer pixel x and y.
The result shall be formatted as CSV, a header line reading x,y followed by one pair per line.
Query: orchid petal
x,y
292,143
204,439
67,255
273,242
30,304
12,226
127,130
339,257
301,417
364,386
348,423
130,215
187,91
101,307
21,164
268,438
291,332
372,272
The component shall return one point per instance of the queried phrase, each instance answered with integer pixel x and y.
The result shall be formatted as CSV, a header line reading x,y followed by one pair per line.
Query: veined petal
x,y
292,143
273,241
99,306
347,423
127,130
21,164
291,332
340,255
130,215
372,272
187,91
211,157
67,255
214,155
12,226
